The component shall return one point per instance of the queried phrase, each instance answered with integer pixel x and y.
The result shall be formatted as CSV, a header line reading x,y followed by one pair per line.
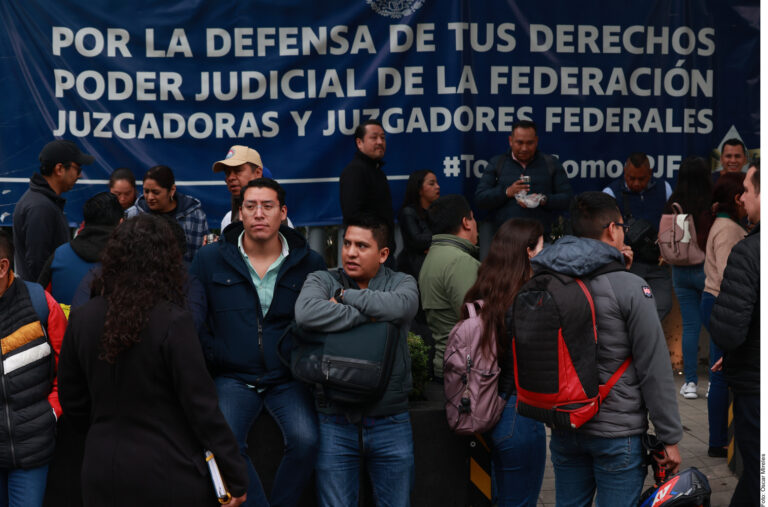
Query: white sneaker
x,y
689,391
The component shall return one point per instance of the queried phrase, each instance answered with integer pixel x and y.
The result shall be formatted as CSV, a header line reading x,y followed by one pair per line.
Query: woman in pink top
x,y
726,231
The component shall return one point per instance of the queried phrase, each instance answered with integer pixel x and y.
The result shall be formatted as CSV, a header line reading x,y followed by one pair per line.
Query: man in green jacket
x,y
375,293
449,269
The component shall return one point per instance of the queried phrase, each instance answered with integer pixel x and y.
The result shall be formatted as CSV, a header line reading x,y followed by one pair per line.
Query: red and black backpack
x,y
554,331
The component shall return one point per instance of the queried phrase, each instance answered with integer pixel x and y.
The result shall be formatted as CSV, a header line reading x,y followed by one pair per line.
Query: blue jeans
x,y
583,463
689,284
23,488
518,454
717,401
292,407
746,432
387,450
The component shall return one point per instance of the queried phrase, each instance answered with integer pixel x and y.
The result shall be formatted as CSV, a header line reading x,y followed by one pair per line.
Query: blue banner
x,y
177,83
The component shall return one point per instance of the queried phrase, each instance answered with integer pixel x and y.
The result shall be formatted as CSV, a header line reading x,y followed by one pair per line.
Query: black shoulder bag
x,y
350,367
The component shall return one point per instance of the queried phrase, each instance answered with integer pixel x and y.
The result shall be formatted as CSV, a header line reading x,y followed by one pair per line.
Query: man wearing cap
x,y
241,165
39,224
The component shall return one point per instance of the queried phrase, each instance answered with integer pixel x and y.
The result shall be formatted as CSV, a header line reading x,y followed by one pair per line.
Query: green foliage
x,y
558,229
419,370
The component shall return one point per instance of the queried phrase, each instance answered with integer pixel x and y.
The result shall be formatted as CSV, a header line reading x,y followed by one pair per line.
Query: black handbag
x,y
350,367
641,236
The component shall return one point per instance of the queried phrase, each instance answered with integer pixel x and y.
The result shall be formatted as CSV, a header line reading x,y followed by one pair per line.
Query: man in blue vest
x,y
641,201
71,261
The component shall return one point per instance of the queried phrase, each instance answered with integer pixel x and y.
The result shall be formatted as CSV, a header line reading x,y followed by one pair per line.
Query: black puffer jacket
x,y
27,421
735,320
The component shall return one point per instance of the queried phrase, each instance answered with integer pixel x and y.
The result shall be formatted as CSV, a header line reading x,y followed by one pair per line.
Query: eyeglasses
x,y
76,167
618,224
267,207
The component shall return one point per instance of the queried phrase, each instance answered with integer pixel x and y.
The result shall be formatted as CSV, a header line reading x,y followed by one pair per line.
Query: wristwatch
x,y
339,295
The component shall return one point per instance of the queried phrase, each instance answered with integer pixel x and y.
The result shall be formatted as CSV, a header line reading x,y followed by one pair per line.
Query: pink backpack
x,y
677,238
471,378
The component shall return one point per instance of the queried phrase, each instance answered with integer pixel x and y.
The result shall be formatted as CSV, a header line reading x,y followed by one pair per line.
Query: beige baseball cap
x,y
238,155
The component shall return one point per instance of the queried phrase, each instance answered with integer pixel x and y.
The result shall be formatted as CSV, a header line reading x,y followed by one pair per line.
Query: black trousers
x,y
746,431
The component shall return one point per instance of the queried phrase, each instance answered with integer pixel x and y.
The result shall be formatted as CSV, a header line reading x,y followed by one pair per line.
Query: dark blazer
x,y
416,240
363,188
149,416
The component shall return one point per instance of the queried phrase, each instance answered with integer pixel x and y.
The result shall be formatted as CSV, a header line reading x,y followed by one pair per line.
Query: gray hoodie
x,y
627,325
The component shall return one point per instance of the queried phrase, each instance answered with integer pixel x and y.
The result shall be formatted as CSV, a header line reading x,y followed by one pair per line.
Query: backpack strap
x,y
39,302
677,209
472,309
606,388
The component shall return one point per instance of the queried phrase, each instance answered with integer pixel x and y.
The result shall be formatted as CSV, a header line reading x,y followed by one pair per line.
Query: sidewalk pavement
x,y
693,450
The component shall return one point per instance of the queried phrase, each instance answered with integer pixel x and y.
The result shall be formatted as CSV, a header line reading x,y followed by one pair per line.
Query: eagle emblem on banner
x,y
395,8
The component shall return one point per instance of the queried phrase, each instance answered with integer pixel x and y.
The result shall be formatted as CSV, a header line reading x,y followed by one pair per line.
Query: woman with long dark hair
x,y
132,372
160,196
693,193
421,191
518,443
726,231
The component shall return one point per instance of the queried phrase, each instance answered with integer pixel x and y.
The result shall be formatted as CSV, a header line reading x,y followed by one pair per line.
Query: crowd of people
x,y
154,341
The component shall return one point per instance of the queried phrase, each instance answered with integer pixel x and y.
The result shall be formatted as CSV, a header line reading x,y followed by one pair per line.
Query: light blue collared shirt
x,y
265,287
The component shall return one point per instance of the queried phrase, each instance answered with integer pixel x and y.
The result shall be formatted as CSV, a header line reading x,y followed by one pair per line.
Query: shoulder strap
x,y
677,209
472,309
39,302
449,241
625,206
606,388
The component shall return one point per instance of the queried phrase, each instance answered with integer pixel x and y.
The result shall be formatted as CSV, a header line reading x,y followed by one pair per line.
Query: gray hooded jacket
x,y
627,325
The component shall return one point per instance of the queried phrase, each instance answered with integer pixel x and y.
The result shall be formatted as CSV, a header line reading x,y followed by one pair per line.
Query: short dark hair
x,y
524,124
374,223
756,175
6,245
638,159
102,209
591,211
46,166
360,130
162,174
122,173
735,142
447,212
266,183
